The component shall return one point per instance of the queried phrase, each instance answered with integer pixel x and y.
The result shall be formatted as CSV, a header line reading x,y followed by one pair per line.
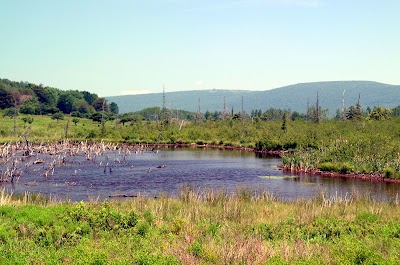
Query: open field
x,y
199,227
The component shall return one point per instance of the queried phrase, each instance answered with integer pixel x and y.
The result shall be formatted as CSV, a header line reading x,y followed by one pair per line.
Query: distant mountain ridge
x,y
294,97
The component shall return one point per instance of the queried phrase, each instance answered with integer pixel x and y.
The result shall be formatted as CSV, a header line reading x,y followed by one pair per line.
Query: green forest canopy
x,y
40,100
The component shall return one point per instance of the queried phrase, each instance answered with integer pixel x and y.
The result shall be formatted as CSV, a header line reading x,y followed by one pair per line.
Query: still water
x,y
167,170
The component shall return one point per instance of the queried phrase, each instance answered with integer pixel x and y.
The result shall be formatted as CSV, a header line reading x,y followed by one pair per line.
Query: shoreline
x,y
352,175
228,147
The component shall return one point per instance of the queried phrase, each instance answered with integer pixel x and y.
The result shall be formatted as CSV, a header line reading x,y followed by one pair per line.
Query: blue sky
x,y
120,47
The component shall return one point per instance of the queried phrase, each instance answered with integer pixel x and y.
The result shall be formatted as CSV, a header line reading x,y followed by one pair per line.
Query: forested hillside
x,y
35,99
293,97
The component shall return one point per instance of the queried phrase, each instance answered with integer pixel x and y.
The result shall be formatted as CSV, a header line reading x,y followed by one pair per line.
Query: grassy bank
x,y
199,228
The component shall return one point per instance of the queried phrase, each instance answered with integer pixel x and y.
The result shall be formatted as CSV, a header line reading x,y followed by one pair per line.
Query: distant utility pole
x,y
224,111
308,110
358,107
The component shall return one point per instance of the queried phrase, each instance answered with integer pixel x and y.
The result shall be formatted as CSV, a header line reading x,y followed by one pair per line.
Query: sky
x,y
118,47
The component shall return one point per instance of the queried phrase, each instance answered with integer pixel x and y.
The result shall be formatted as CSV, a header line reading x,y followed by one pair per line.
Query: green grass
x,y
209,227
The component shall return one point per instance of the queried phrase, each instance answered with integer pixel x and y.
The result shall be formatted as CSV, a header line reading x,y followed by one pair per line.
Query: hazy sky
x,y
124,47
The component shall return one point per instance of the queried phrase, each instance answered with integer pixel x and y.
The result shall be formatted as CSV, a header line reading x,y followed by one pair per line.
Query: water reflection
x,y
167,170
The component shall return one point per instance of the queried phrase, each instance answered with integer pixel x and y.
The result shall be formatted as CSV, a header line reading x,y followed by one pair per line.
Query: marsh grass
x,y
200,227
9,198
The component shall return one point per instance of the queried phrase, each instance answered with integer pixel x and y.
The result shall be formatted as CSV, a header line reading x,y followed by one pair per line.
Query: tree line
x,y
28,98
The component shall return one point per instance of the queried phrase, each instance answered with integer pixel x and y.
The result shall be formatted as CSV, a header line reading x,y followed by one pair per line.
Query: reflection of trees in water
x,y
79,170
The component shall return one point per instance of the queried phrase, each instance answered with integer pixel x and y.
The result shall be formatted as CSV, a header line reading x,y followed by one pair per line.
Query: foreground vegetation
x,y
206,227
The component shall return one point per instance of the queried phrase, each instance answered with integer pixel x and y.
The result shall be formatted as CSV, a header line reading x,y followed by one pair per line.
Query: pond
x,y
166,171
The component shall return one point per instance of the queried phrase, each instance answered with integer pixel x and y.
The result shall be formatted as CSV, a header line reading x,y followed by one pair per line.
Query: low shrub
x,y
345,168
196,248
106,218
143,229
269,144
328,167
390,172
290,145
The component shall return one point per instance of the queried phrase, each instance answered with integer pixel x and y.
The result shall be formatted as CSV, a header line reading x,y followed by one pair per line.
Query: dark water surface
x,y
167,170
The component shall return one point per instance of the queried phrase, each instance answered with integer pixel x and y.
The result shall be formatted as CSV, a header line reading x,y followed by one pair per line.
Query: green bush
x,y
390,172
329,167
196,248
148,216
290,145
345,168
268,145
143,229
367,217
106,218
